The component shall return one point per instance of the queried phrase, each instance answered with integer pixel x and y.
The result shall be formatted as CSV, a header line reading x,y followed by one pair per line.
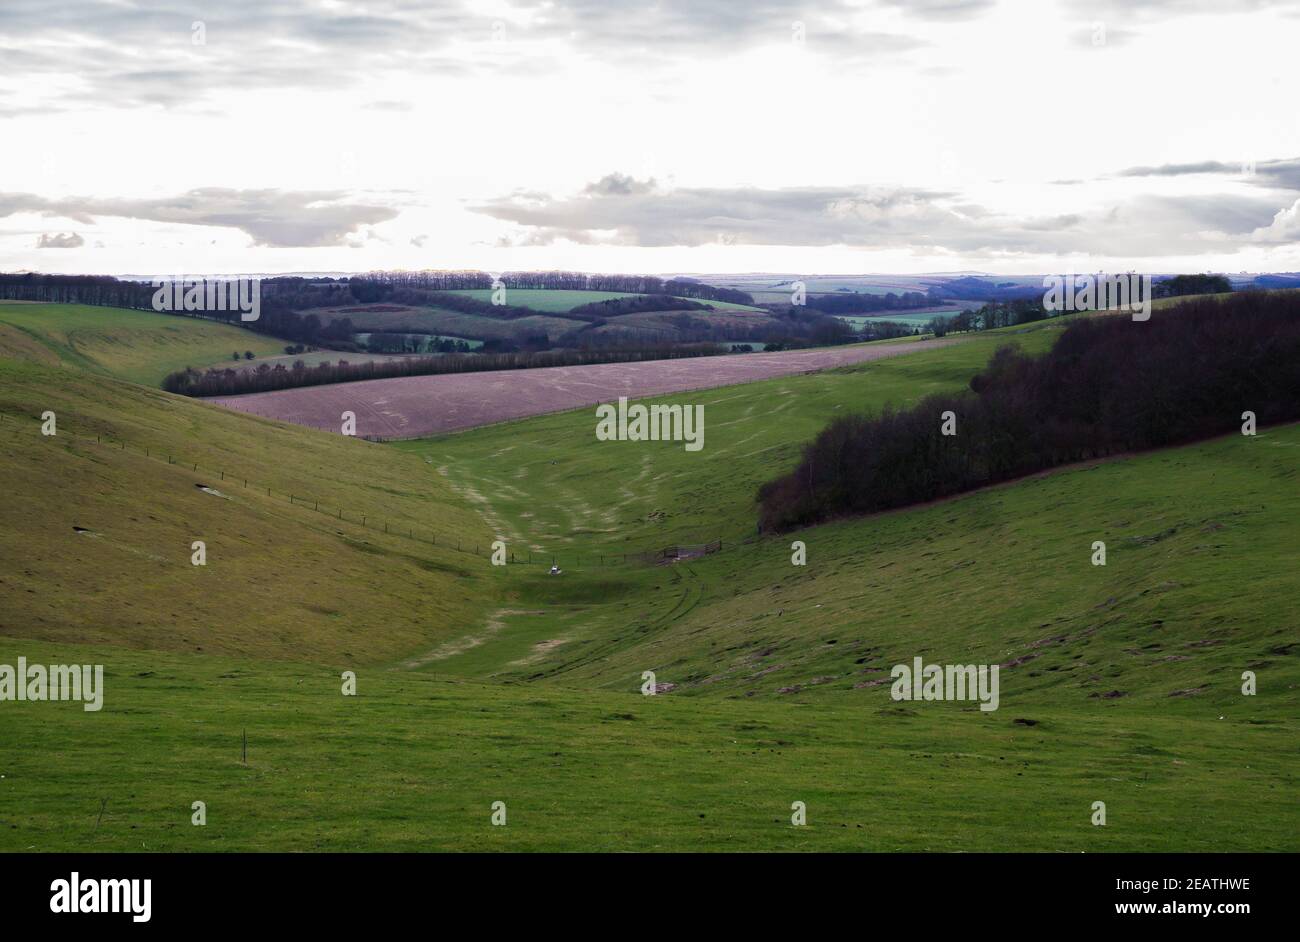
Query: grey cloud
x,y
943,9
619,184
275,218
1177,7
396,106
1178,170
631,212
1284,174
137,55
60,240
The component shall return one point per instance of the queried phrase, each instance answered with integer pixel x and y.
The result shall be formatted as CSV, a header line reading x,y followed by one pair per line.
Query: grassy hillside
x,y
1119,683
138,346
1197,588
281,580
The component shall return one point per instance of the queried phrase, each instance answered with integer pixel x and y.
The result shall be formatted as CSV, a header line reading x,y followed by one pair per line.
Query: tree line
x,y
1108,386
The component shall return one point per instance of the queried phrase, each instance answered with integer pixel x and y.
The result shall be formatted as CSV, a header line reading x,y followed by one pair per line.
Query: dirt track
x,y
412,406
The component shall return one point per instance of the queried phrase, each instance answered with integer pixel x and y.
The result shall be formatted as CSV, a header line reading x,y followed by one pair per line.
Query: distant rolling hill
x,y
138,346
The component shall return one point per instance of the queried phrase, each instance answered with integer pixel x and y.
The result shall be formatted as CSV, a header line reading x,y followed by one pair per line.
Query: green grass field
x,y
414,763
555,301
364,338
139,346
911,320
452,323
1119,683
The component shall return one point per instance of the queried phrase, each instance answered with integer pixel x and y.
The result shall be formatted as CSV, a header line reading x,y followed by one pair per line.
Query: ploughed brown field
x,y
413,406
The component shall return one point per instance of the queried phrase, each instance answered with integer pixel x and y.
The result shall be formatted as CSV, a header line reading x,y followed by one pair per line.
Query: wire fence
x,y
531,556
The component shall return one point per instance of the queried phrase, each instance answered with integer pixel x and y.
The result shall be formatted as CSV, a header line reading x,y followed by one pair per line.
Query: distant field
x,y
661,326
138,346
559,302
910,318
409,406
364,338
428,320
315,358
542,299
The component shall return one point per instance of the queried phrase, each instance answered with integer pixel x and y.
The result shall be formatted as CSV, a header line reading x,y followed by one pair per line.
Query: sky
x,y
681,136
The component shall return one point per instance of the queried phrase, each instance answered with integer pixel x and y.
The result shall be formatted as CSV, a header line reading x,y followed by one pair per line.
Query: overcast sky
x,y
677,136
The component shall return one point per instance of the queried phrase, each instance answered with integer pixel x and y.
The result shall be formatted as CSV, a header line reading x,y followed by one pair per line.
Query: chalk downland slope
x,y
96,545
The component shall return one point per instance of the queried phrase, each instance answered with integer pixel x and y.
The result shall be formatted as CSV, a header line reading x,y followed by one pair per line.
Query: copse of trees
x,y
863,302
633,304
1109,385
883,330
77,289
1190,284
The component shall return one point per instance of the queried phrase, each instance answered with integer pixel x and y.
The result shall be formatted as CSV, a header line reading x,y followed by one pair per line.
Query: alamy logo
x,y
76,895
946,682
656,423
57,682
210,294
1099,292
